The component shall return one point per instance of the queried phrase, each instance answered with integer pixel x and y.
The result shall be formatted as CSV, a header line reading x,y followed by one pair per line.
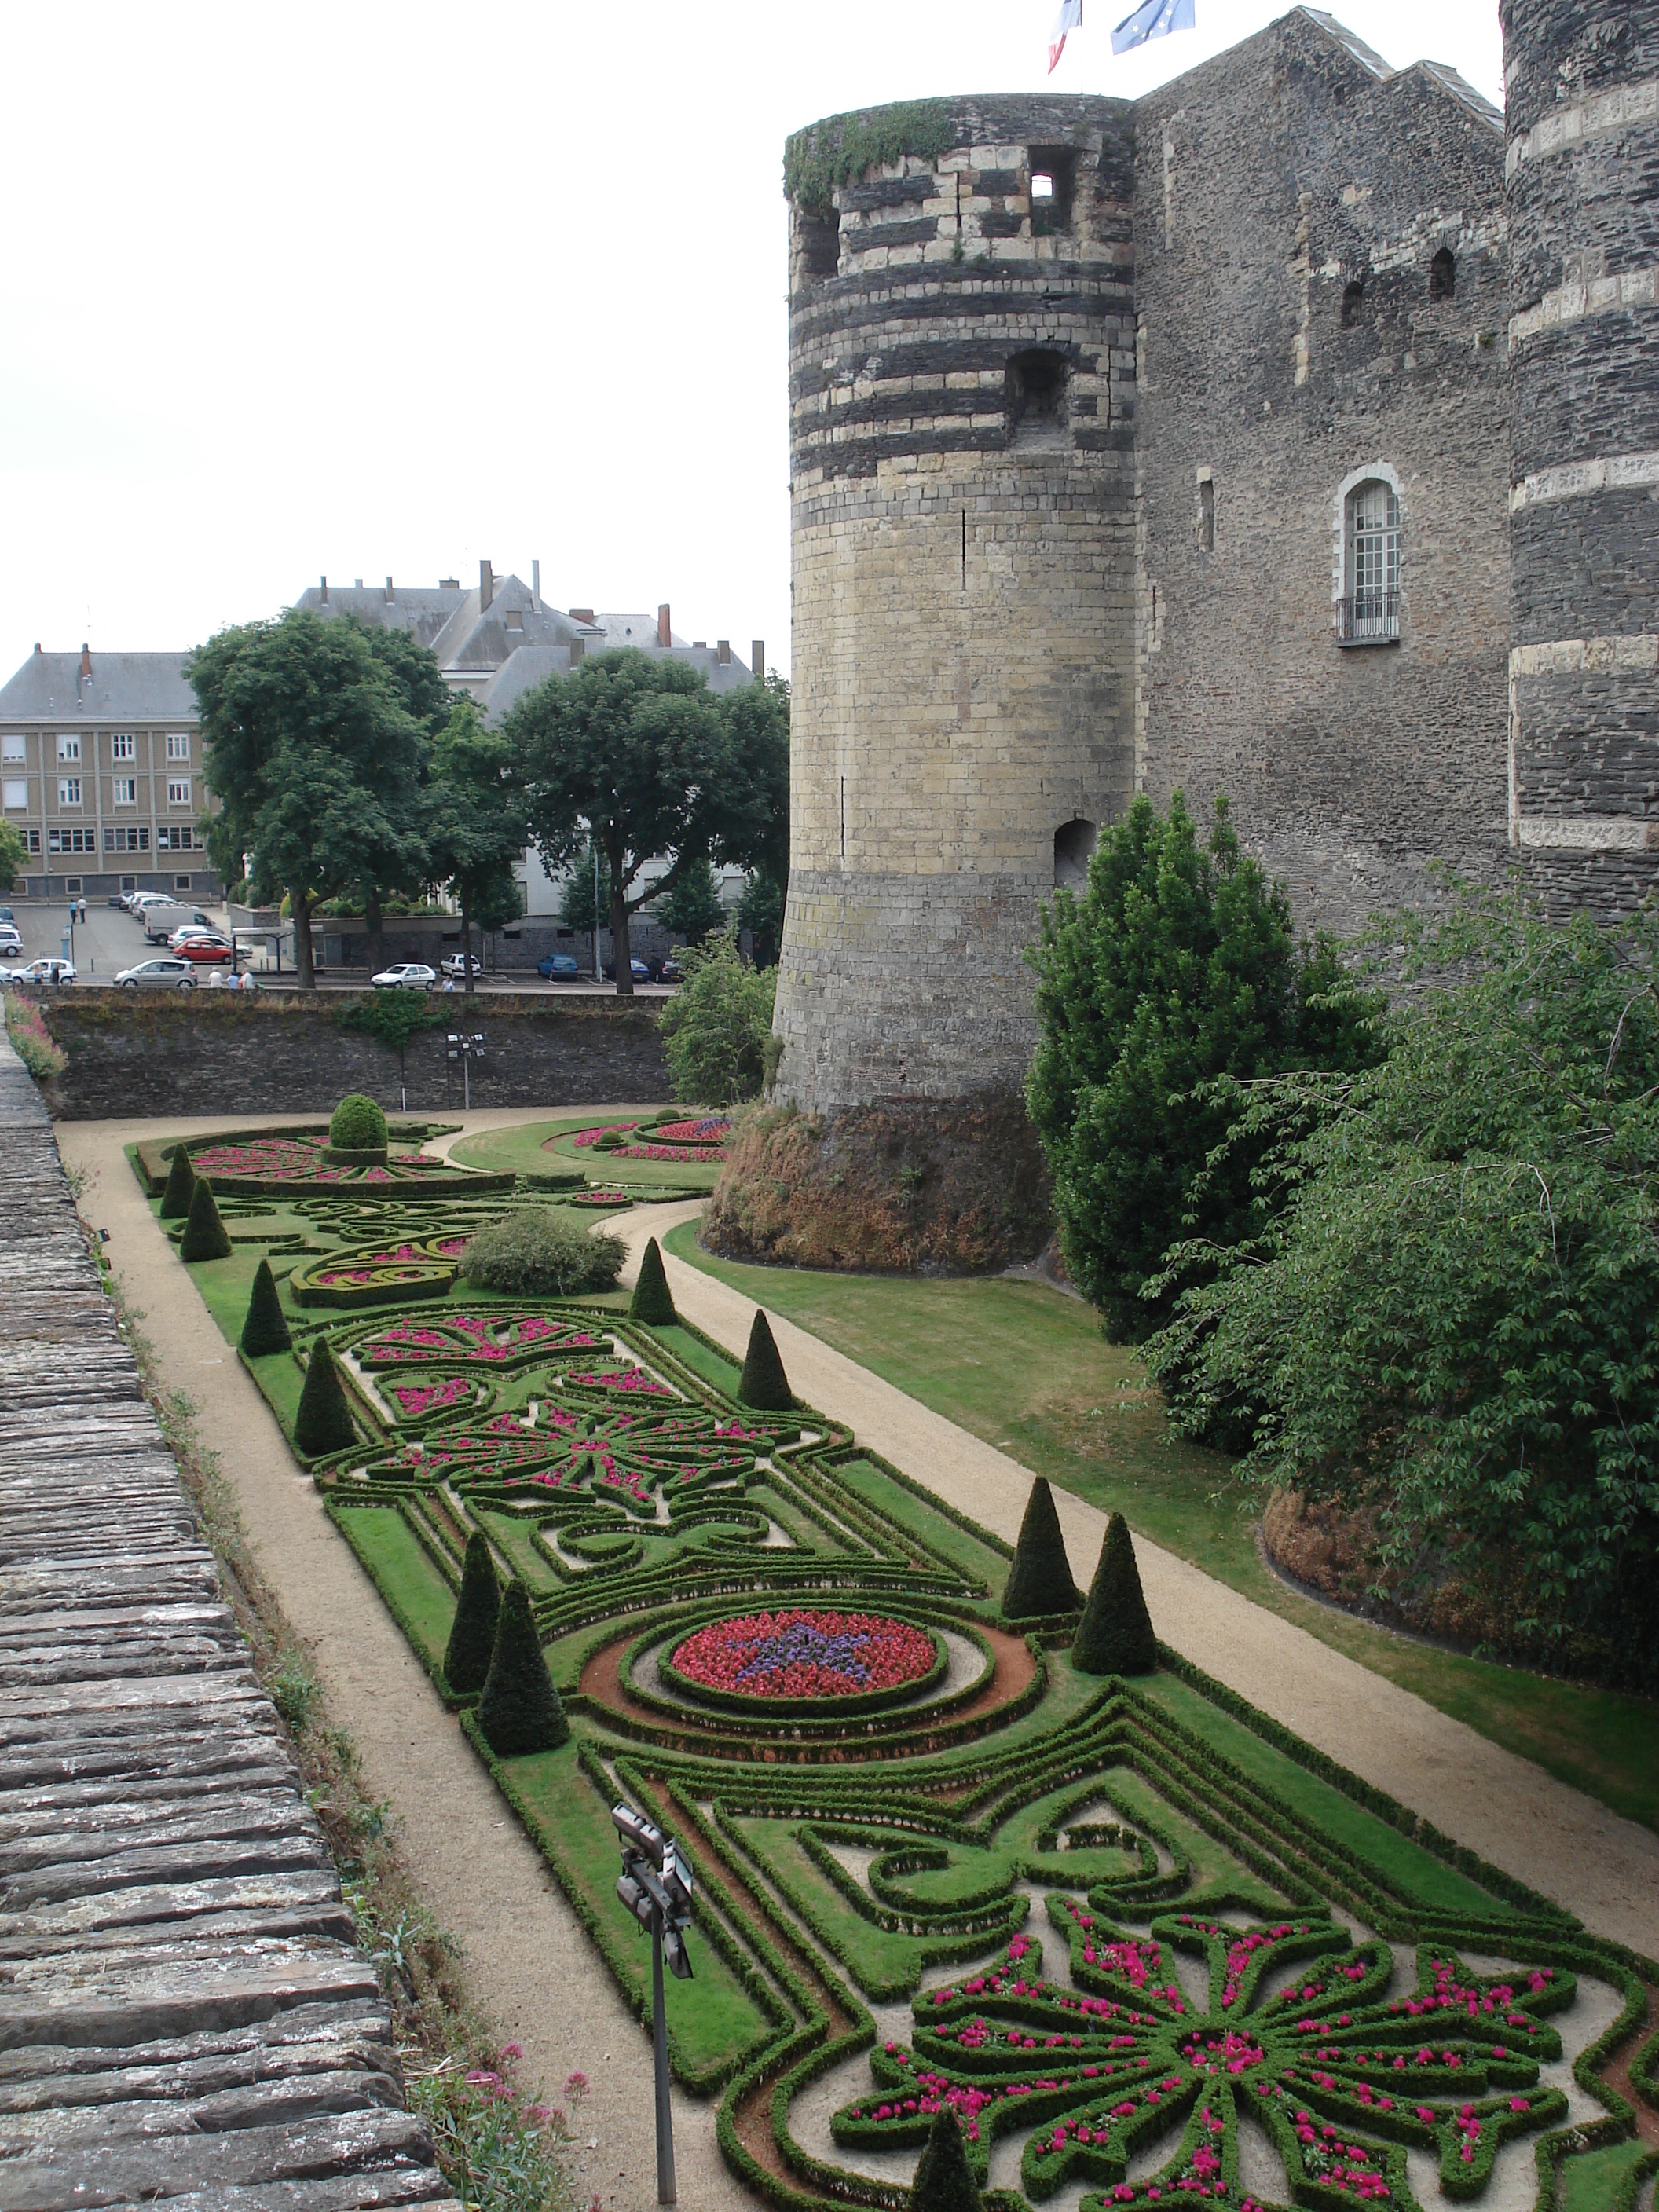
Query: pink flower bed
x,y
799,1654
713,1130
301,1159
414,1400
671,1152
583,1138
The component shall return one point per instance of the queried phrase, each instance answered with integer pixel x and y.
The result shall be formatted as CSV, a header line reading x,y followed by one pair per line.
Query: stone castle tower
x,y
1583,122
963,560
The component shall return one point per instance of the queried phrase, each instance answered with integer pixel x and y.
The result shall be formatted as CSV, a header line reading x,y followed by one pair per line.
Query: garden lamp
x,y
655,1885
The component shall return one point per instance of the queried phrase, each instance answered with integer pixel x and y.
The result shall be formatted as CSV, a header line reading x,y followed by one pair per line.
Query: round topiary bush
x,y
539,1251
357,1124
478,1611
265,1329
205,1237
653,1301
1114,1636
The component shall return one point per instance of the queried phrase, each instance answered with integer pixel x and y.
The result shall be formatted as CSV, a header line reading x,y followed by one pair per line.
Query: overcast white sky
x,y
354,289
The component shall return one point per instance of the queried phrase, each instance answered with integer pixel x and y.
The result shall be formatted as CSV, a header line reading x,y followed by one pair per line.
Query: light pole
x,y
655,1886
466,1047
598,969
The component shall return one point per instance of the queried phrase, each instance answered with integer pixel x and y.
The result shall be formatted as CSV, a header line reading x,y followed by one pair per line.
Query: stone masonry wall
x,y
185,1053
1267,183
1583,79
963,407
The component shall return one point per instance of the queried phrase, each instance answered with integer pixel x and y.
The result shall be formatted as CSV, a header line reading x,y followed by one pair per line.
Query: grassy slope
x,y
1026,1368
544,1147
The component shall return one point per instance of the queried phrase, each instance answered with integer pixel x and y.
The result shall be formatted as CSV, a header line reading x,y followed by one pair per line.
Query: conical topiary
x,y
1040,1579
472,1633
945,2180
324,1422
181,1185
763,1383
204,1236
265,1328
1114,1636
520,1710
653,1300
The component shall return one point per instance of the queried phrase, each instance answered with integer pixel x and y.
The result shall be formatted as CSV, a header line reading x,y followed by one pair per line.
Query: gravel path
x,y
1604,1868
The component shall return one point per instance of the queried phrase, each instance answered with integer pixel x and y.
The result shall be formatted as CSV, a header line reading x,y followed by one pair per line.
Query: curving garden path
x,y
528,1960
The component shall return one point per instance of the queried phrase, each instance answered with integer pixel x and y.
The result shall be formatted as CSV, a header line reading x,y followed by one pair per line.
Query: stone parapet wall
x,y
186,1053
1582,119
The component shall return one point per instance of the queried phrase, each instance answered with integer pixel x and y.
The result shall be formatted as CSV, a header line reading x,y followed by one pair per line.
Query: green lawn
x,y
545,1147
1026,1368
409,1582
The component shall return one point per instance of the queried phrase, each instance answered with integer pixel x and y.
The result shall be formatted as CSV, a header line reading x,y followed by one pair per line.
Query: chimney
x,y
757,658
536,586
86,661
723,650
37,645
578,649
389,594
581,614
486,585
449,583
325,591
665,630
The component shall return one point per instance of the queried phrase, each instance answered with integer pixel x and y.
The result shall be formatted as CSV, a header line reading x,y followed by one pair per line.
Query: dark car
x,y
638,968
558,967
671,972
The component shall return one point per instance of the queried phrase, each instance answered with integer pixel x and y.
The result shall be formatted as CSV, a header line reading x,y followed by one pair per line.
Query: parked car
x,y
200,946
558,967
11,939
168,974
405,975
6,915
671,972
45,971
456,964
637,968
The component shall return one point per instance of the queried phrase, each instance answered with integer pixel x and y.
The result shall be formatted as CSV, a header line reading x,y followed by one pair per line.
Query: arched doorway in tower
x,y
1074,845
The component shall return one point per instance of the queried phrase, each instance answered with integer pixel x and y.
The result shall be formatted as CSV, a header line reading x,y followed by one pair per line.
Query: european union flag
x,y
1153,19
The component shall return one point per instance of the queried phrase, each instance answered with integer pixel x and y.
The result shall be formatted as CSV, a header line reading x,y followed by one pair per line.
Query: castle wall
x,y
1583,118
962,393
1268,182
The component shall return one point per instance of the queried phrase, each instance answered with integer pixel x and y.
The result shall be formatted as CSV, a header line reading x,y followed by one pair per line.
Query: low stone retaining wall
x,y
132,1054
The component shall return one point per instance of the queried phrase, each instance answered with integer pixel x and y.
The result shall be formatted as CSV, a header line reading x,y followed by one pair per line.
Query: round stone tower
x,y
962,395
1582,126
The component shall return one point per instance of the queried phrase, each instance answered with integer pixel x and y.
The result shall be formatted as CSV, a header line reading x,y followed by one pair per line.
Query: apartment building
x,y
101,773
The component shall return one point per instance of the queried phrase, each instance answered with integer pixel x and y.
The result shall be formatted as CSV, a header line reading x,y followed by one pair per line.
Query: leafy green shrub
x,y
324,1422
266,1327
1114,1636
478,1611
519,1709
715,1027
541,1252
1175,967
944,2179
204,1236
295,1692
1453,1323
357,1124
653,1300
31,1039
842,147
762,1383
1040,1579
180,1187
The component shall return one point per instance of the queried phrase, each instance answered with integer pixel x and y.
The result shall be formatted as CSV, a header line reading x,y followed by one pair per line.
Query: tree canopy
x,y
475,821
13,854
1453,1318
715,1027
316,757
693,909
1178,965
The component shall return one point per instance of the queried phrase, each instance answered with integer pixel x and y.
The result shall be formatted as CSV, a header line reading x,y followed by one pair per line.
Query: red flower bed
x,y
714,1129
798,1654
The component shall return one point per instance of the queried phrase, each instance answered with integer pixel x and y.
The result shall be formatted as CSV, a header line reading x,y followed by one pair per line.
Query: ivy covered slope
x,y
1141,1944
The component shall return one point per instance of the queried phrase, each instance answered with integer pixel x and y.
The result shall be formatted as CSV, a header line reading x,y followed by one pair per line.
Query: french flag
x,y
1069,18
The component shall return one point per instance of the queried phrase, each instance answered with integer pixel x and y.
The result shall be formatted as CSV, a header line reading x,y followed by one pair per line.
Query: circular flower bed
x,y
713,1129
811,1658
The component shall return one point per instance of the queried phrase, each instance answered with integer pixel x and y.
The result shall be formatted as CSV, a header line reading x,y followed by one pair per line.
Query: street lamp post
x,y
655,1885
466,1047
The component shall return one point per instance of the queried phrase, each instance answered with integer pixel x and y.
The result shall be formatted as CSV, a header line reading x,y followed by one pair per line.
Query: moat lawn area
x,y
1026,1368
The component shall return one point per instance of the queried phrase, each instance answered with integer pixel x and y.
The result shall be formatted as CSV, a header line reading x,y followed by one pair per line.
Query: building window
x,y
72,883
72,841
16,793
1054,173
69,748
33,838
820,243
122,746
1443,275
127,791
12,747
69,790
181,883
1368,610
126,840
175,837
178,790
1206,515
179,748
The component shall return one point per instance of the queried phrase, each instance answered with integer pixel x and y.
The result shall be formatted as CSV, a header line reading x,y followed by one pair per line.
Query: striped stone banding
x,y
1599,118
1587,833
1589,656
1581,479
1570,303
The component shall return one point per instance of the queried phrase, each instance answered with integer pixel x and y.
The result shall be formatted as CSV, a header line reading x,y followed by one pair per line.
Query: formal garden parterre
x,y
1144,1946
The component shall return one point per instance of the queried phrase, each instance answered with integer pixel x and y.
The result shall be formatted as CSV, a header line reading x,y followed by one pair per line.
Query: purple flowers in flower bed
x,y
798,1654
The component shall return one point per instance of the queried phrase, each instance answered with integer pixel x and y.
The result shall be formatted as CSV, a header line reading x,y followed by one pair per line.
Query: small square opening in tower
x,y
1034,390
820,243
1053,175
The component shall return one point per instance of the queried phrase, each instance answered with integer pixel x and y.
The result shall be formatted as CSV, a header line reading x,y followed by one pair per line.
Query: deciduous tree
x,y
475,821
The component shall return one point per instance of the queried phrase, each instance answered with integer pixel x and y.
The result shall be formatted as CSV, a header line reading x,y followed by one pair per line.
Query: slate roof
x,y
124,687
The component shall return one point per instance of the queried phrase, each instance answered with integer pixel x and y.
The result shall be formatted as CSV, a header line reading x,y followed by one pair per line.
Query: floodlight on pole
x,y
656,1887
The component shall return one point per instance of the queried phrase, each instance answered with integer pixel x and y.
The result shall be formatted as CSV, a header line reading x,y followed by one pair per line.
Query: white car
x,y
405,975
456,965
45,971
10,939
169,975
